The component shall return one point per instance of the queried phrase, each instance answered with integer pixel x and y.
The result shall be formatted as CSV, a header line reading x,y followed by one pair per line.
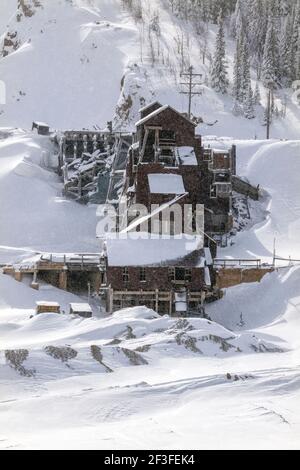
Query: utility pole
x,y
191,84
269,115
274,252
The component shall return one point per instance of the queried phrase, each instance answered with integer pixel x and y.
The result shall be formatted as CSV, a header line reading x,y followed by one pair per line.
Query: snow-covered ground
x,y
193,384
34,216
87,61
136,380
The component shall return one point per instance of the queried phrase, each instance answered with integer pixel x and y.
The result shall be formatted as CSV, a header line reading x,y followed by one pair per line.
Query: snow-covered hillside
x,y
79,64
137,380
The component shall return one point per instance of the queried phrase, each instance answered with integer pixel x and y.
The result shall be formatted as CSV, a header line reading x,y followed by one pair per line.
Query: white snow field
x,y
79,64
137,380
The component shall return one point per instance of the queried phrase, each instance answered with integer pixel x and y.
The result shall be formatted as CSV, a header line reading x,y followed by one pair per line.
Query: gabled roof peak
x,y
160,110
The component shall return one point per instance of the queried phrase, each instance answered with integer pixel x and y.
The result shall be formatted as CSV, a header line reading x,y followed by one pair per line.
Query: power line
x,y
191,84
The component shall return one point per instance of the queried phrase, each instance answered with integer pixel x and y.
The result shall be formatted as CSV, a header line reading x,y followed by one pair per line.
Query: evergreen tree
x,y
218,74
270,58
257,98
236,24
286,52
245,68
237,73
295,40
248,104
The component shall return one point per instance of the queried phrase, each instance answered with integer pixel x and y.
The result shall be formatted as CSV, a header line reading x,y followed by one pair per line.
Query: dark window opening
x,y
180,274
142,275
167,135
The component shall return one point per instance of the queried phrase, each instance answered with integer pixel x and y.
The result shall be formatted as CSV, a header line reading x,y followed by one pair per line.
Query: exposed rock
x,y
123,110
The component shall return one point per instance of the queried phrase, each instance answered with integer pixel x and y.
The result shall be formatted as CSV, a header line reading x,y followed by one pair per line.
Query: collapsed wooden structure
x,y
92,164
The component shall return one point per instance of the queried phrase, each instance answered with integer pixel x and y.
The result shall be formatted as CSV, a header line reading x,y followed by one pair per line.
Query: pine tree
x,y
285,52
270,58
237,73
295,40
257,97
218,74
245,71
248,104
236,24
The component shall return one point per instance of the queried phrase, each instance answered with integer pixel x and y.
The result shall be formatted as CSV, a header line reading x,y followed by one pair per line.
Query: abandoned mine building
x,y
168,165
163,165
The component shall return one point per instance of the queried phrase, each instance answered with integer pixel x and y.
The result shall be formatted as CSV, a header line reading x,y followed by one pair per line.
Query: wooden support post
x,y
63,280
156,300
35,285
109,300
171,303
18,276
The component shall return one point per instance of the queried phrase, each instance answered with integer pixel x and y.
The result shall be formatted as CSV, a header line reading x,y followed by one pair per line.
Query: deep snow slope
x,y
137,380
275,167
82,63
66,64
34,216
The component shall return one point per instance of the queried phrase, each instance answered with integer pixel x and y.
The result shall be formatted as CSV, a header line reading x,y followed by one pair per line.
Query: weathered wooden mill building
x,y
168,166
151,260
172,274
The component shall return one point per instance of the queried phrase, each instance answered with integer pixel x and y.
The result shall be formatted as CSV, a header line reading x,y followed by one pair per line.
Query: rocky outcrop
x,y
12,41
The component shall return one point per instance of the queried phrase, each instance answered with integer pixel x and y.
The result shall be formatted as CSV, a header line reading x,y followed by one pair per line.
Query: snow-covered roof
x,y
160,110
221,151
166,183
81,308
47,304
137,250
186,155
149,106
41,124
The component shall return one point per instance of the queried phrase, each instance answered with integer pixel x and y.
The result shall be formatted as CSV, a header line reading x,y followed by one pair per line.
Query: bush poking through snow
x,y
15,358
188,342
62,354
98,356
134,358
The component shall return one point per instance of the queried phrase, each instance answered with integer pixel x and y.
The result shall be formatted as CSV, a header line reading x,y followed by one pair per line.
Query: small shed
x,y
41,127
81,309
47,307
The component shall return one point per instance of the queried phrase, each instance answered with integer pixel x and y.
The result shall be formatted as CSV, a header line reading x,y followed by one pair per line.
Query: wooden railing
x,y
234,263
